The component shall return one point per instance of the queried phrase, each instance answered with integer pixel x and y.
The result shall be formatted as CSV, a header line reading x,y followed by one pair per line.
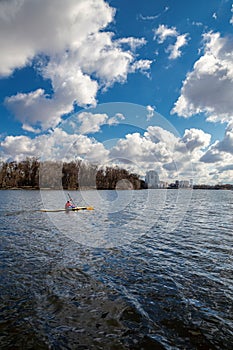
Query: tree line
x,y
34,174
213,187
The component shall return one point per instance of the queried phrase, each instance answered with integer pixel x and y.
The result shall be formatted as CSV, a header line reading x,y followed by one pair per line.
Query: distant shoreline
x,y
31,174
195,187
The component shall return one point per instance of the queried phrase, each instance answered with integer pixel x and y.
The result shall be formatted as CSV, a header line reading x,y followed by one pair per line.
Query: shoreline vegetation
x,y
30,174
74,175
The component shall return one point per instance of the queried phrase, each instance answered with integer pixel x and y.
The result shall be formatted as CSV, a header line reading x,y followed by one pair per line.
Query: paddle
x,y
71,200
79,208
82,208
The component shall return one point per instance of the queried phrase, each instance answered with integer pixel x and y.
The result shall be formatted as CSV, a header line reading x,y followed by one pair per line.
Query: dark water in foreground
x,y
151,288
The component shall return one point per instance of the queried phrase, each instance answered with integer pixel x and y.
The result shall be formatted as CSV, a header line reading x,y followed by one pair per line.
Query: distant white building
x,y
163,184
184,184
152,179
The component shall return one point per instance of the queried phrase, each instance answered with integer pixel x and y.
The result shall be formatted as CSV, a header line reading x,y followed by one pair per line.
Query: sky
x,y
146,85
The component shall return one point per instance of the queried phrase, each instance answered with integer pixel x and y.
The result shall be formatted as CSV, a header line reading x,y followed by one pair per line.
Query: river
x,y
149,269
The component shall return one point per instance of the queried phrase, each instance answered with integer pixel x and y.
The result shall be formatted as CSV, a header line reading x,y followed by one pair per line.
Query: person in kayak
x,y
69,205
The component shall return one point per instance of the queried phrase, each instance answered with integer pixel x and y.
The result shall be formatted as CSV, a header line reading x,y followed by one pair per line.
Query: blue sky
x,y
148,81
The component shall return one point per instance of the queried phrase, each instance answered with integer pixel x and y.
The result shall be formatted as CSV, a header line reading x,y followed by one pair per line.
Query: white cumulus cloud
x,y
91,123
221,151
208,88
71,47
163,32
196,138
175,50
28,28
55,146
150,112
116,119
133,43
174,157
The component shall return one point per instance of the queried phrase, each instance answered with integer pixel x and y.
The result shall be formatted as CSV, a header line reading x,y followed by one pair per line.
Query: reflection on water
x,y
117,277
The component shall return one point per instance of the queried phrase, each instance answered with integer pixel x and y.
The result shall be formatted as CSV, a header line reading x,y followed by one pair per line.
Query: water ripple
x,y
160,290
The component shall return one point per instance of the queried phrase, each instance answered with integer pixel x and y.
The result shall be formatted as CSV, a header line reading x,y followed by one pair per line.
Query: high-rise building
x,y
152,179
184,184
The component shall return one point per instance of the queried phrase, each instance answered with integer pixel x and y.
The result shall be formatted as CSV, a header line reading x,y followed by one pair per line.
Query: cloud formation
x,y
196,138
91,123
57,145
29,28
71,48
185,157
175,50
163,32
156,149
150,112
208,88
221,151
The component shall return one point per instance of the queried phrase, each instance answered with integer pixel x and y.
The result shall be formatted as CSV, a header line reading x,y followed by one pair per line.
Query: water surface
x,y
144,270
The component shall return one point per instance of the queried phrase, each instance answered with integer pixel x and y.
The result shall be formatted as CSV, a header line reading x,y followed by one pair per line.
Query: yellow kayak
x,y
68,209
